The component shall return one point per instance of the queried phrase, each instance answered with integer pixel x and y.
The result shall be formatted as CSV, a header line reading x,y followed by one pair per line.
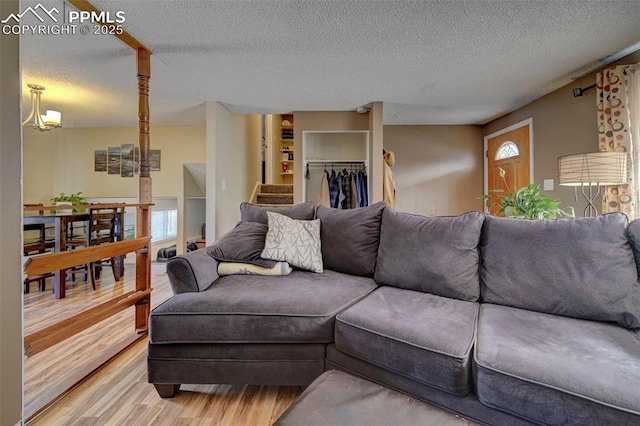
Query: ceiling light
x,y
51,120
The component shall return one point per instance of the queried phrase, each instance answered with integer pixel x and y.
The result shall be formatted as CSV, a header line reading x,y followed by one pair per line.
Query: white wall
x,y
233,167
10,223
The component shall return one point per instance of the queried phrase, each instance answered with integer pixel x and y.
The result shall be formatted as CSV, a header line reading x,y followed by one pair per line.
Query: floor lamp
x,y
591,172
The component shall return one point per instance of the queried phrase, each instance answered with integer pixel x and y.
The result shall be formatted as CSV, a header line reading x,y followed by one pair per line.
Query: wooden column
x,y
143,219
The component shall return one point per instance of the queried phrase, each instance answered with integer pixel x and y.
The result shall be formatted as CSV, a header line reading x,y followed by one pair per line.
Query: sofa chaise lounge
x,y
504,321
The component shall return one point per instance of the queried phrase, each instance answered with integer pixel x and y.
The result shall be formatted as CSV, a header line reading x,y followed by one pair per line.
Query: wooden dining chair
x,y
37,241
40,279
101,230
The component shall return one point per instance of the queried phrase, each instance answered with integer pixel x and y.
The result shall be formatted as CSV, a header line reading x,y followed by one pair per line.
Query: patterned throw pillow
x,y
231,268
293,241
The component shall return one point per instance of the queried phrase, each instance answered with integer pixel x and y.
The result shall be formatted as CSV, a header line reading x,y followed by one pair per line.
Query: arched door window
x,y
507,150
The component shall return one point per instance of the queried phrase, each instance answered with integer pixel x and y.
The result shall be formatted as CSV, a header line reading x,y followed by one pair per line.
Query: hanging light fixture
x,y
50,120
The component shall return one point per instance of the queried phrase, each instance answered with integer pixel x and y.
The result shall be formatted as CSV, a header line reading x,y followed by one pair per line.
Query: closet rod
x,y
361,165
316,162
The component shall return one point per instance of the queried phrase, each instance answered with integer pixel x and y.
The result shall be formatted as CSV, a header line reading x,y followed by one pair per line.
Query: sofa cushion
x,y
557,370
436,255
350,238
252,213
297,308
294,241
421,336
582,268
243,244
337,398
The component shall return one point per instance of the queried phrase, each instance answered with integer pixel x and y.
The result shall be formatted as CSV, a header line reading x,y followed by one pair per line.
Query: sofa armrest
x,y
192,272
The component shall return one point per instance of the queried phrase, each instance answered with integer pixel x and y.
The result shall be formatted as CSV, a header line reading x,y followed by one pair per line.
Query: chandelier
x,y
50,120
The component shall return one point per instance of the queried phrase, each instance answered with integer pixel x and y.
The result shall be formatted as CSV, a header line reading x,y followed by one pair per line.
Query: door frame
x,y
528,121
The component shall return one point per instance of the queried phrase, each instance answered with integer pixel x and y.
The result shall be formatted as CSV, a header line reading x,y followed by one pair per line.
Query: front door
x,y
508,150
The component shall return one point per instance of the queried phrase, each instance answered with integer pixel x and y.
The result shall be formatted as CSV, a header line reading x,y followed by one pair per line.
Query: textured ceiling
x,y
429,62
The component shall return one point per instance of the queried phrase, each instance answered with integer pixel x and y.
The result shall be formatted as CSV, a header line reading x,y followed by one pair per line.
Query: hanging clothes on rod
x,y
354,191
344,189
323,196
333,189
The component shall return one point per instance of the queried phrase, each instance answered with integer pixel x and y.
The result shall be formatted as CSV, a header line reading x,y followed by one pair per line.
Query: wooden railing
x,y
55,333
254,194
37,207
43,264
140,297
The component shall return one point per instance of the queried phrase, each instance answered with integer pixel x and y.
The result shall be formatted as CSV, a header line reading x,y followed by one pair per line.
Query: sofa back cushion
x,y
633,234
252,213
437,255
350,238
581,268
243,244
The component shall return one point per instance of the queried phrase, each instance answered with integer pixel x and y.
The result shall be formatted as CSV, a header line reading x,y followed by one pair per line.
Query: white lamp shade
x,y
53,118
593,169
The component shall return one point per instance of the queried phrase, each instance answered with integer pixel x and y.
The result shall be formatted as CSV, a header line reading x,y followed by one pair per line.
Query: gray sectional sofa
x,y
504,321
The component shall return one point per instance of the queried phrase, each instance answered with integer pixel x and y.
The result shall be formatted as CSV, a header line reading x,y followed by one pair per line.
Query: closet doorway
x,y
339,151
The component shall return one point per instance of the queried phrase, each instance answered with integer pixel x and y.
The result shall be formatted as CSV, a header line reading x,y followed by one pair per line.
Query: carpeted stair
x,y
275,195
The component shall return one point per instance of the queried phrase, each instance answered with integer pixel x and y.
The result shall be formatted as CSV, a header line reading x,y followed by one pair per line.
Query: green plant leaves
x,y
527,203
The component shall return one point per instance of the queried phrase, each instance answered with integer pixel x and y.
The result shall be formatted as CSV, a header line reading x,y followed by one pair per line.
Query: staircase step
x,y
274,198
276,189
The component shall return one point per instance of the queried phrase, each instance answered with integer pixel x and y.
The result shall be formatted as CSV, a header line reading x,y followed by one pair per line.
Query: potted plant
x,y
525,203
76,199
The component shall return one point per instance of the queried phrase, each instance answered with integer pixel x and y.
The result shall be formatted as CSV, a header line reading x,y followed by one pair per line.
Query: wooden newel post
x,y
143,218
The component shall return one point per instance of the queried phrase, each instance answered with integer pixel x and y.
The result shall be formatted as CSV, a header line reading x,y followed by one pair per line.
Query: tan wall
x,y
376,169
10,223
438,169
562,125
62,161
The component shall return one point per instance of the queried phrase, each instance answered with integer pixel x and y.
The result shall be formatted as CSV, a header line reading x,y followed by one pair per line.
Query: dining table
x,y
60,221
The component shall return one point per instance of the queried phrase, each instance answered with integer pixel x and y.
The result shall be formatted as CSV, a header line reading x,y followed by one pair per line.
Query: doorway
x,y
508,158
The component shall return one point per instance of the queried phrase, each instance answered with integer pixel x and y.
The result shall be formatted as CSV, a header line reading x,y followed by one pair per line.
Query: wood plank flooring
x,y
118,394
53,371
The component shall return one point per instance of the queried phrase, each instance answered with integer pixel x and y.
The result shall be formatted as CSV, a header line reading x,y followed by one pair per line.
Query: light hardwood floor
x,y
119,394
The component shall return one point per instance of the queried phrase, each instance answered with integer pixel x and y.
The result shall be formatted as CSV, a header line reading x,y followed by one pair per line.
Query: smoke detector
x,y
362,110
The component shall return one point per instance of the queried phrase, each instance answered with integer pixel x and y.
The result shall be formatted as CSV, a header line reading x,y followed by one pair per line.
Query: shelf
x,y
286,155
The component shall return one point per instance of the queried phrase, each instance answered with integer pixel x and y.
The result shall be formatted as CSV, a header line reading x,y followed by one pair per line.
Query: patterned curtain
x,y
614,134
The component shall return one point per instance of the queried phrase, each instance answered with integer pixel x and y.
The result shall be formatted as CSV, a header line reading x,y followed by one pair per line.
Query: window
x,y
164,225
507,150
